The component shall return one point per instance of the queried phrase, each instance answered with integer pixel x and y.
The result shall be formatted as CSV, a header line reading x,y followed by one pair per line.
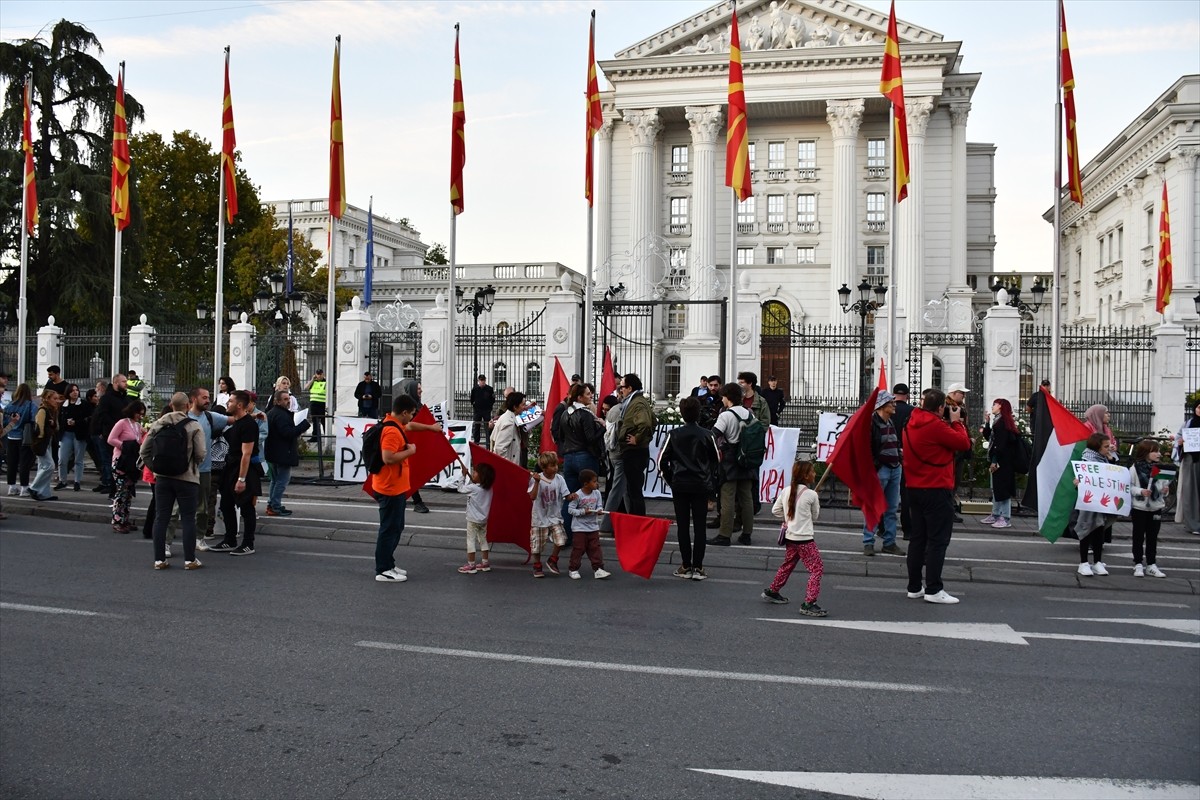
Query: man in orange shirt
x,y
391,487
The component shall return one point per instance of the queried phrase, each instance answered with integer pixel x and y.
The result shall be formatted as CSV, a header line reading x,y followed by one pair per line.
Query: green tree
x,y
436,254
71,254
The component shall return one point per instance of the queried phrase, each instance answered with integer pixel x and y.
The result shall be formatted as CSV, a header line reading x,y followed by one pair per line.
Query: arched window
x,y
500,375
502,329
409,370
533,379
671,375
936,377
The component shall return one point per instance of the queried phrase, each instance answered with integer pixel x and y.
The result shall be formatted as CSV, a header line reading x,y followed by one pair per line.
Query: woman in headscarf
x,y
1091,525
1187,508
1096,418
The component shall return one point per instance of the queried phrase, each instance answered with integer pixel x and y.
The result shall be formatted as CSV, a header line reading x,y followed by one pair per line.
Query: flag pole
x,y
22,299
451,311
891,260
1056,311
331,282
589,355
731,372
219,311
115,356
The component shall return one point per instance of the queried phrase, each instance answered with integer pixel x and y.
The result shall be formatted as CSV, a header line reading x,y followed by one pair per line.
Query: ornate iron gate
x,y
507,355
937,345
392,357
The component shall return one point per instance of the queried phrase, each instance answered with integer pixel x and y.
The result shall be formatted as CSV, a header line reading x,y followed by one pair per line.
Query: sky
x,y
524,69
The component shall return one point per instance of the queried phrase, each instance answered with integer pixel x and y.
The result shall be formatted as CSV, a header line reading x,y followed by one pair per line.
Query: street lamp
x,y
482,300
863,307
1014,294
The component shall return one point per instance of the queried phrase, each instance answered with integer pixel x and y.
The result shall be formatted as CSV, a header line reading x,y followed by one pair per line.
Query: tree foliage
x,y
436,254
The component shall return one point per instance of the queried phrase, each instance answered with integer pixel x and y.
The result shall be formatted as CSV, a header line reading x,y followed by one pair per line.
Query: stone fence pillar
x,y
563,320
353,339
1002,349
142,355
437,384
747,353
1168,379
49,352
242,355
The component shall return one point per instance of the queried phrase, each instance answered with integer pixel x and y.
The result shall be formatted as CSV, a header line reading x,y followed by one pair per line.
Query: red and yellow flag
x,y
120,158
1166,276
1068,90
737,153
891,86
31,207
228,145
337,159
458,135
595,115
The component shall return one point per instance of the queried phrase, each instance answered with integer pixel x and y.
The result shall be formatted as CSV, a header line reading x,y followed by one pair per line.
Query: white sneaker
x,y
13,490
989,519
915,595
1099,569
24,492
1154,572
602,573
574,575
168,550
387,577
399,573
1085,569
201,546
942,598
1139,571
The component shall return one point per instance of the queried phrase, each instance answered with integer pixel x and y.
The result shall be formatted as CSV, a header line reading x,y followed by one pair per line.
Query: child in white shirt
x,y
800,507
479,505
548,490
585,511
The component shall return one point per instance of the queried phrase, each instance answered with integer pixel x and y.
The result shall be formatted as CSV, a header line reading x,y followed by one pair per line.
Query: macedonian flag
x,y
120,158
228,145
1067,77
595,116
337,159
1166,277
891,86
737,153
458,135
31,207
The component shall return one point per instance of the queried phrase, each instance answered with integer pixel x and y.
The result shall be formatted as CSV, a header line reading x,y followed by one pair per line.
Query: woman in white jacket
x,y
799,507
506,436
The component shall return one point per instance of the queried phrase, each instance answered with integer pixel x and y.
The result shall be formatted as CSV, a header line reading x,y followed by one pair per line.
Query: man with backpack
x,y
173,450
385,457
742,439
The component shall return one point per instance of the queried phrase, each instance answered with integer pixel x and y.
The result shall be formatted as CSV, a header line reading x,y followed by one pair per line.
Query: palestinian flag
x,y
1056,490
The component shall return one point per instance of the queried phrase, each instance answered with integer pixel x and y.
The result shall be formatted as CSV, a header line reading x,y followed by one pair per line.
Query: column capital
x,y
645,125
704,122
606,129
959,113
1187,155
917,111
844,117
1130,192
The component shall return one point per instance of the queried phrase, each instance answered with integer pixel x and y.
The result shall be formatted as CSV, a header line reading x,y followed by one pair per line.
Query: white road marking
x,y
879,786
1076,637
974,631
647,669
57,535
1115,602
324,555
883,590
53,610
1191,626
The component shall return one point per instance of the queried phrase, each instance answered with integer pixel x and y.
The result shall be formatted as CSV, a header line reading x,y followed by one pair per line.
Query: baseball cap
x,y
957,387
883,398
900,388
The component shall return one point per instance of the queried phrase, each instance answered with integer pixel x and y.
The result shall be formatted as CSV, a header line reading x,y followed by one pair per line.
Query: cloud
x,y
1177,37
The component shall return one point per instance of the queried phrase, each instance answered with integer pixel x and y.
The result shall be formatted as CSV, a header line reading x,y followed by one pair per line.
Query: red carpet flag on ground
x,y
120,158
639,541
737,152
1166,277
228,145
891,86
337,158
608,378
31,208
595,116
512,508
458,135
434,451
1056,491
559,386
852,462
882,374
1067,76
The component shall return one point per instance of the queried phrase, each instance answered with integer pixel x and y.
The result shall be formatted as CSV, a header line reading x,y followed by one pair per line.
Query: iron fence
x,y
394,356
928,353
184,358
85,356
293,352
507,355
8,354
1193,364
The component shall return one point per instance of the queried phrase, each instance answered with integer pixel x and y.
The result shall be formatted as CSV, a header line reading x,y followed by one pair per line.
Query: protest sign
x,y
1191,440
348,464
773,475
1103,488
829,427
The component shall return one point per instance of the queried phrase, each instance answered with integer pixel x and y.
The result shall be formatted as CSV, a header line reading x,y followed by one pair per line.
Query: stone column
x,y
910,217
49,353
1183,244
353,339
602,197
436,381
958,292
1130,255
562,318
143,358
644,128
706,125
1090,257
1168,377
1002,344
242,353
844,118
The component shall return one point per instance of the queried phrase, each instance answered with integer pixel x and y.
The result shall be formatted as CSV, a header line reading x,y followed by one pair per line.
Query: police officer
x,y
134,386
316,388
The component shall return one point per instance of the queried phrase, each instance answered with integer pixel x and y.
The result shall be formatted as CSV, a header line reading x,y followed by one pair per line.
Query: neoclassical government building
x,y
820,216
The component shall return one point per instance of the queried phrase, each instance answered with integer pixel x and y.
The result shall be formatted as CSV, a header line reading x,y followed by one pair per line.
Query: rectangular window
x,y
876,210
806,157
876,256
776,209
877,153
679,158
745,211
806,210
1151,228
774,255
676,327
806,255
1120,244
350,262
679,211
745,256
775,155
750,154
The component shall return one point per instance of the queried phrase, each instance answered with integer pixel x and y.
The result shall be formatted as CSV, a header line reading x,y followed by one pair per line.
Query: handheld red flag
x,y
882,374
639,541
434,452
852,462
559,386
608,378
509,519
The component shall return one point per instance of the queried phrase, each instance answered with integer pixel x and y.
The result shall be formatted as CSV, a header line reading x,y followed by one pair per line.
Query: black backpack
x,y
751,444
372,449
1022,456
169,449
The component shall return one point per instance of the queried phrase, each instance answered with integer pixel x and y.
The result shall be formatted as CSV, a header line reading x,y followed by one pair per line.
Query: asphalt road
x,y
293,674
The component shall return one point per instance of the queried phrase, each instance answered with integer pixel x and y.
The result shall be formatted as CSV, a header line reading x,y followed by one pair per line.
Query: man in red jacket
x,y
930,444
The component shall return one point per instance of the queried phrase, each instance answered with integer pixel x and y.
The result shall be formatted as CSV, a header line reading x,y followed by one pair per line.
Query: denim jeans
x,y
281,476
889,480
1002,509
45,469
391,528
573,464
71,445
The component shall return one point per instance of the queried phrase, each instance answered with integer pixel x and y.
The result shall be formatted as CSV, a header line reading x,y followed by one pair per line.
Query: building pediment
x,y
777,25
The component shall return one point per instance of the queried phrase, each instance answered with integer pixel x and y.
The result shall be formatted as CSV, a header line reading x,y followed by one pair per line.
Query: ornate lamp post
x,y
864,306
1014,295
482,300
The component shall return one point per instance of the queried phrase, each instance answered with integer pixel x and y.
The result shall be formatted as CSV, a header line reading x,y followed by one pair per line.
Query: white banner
x,y
829,427
348,464
1102,487
773,475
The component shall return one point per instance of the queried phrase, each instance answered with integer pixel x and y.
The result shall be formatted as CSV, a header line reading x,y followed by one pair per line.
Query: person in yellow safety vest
x,y
316,403
133,389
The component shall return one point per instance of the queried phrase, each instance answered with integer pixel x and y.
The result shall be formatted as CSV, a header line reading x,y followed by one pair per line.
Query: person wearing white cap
x,y
885,452
956,397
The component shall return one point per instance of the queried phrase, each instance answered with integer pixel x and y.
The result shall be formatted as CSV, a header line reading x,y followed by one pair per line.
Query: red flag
x,y
1067,76
595,116
31,206
891,86
337,158
458,135
852,462
1166,278
737,152
228,145
434,452
639,541
882,374
509,519
559,386
608,378
120,158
